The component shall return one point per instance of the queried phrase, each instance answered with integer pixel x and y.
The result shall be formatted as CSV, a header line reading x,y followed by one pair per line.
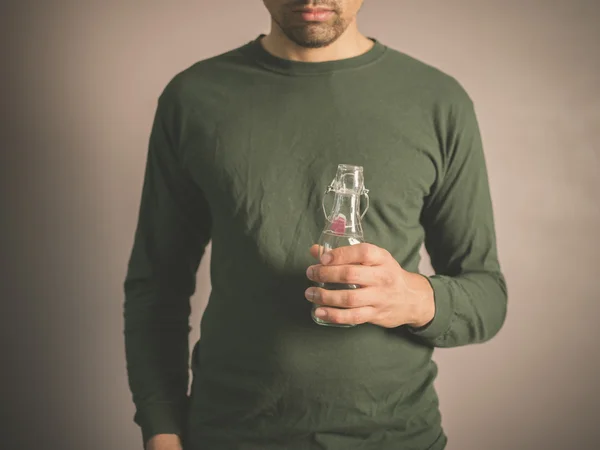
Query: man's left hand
x,y
387,296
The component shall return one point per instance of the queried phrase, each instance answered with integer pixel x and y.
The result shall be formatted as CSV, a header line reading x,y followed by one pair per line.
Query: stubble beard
x,y
314,35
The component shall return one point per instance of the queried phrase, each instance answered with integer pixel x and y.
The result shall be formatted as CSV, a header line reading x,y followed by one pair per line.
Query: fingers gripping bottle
x,y
343,223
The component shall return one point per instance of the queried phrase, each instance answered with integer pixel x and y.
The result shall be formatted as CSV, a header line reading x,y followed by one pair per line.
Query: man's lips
x,y
315,14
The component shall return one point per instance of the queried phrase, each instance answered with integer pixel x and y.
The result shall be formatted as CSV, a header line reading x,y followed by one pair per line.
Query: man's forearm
x,y
157,351
469,308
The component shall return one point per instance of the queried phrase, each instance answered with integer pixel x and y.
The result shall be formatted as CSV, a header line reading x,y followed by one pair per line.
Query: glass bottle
x,y
343,223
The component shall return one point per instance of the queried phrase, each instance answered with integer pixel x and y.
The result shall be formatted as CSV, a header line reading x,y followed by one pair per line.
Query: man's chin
x,y
312,40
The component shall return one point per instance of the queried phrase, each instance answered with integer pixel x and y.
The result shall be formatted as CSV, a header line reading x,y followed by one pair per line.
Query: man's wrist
x,y
164,442
423,300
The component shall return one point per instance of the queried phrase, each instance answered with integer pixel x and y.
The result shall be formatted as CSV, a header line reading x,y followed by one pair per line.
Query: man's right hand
x,y
164,442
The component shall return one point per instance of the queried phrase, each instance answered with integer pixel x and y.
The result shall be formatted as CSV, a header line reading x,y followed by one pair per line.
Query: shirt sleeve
x,y
469,288
173,230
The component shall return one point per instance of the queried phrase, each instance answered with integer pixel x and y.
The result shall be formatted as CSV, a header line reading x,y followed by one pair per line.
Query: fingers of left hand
x,y
349,274
315,251
344,298
353,316
364,253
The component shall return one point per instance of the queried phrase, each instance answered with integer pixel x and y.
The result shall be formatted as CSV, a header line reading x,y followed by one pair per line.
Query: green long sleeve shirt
x,y
241,151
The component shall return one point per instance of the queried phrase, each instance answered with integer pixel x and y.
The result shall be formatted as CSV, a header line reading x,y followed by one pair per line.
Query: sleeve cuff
x,y
162,418
444,307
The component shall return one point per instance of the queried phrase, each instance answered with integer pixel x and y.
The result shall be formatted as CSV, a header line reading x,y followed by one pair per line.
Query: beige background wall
x,y
79,85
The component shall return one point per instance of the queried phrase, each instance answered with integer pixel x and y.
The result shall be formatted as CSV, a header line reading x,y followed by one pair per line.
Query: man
x,y
242,147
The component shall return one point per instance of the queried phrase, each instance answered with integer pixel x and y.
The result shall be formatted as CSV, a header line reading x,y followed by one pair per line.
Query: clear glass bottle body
x,y
343,223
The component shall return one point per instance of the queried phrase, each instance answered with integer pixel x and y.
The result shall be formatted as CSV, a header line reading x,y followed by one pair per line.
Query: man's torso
x,y
263,146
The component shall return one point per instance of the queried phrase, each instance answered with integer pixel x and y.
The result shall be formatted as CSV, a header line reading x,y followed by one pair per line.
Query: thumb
x,y
314,251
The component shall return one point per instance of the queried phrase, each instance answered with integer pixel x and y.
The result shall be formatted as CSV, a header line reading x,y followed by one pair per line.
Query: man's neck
x,y
351,43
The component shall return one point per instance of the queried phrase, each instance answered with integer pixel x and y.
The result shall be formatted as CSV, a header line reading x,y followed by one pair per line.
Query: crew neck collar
x,y
299,68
